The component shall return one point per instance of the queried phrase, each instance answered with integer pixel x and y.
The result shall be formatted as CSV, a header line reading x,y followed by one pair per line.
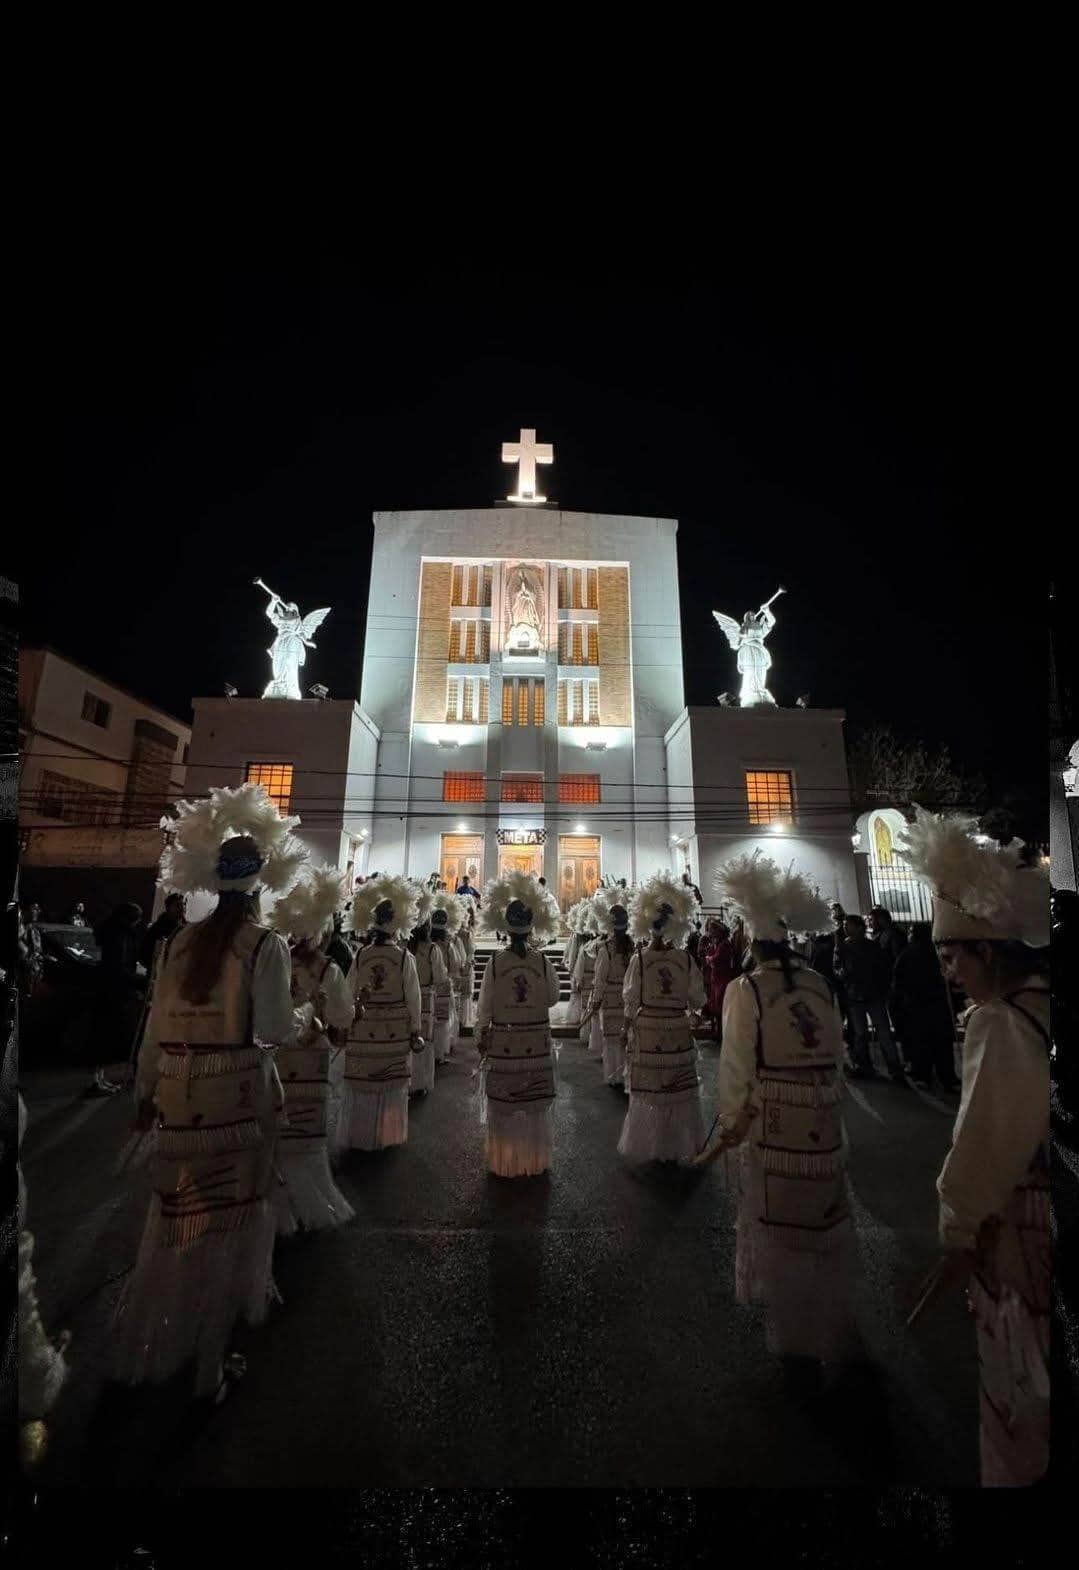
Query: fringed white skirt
x,y
304,1194
664,1127
595,1037
182,1302
468,1006
804,1280
519,1139
614,1060
373,1119
574,1008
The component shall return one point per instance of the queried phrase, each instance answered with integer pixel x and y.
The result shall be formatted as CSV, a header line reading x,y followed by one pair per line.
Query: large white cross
x,y
527,453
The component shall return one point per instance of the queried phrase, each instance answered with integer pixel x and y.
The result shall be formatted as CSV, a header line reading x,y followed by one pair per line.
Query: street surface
x,y
574,1330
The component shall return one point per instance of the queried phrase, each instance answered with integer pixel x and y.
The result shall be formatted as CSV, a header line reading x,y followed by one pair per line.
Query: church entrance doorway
x,y
578,868
461,853
520,858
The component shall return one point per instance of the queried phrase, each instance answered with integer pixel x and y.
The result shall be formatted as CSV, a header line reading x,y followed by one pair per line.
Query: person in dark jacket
x,y
172,917
860,966
116,1013
921,1012
889,939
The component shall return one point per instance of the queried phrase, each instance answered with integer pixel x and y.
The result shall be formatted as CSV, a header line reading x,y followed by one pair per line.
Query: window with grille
x,y
470,642
467,700
74,800
770,797
525,788
460,786
275,779
96,710
578,702
470,584
523,700
578,790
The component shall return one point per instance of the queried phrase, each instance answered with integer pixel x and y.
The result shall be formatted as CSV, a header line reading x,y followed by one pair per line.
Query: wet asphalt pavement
x,y
578,1329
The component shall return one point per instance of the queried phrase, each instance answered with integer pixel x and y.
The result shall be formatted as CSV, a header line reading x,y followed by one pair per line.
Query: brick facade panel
x,y
615,688
433,643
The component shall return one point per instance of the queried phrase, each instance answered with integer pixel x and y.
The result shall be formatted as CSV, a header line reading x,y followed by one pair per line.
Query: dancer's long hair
x,y
211,940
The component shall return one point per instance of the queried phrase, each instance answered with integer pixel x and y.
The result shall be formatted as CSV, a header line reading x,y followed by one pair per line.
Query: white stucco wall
x,y
709,752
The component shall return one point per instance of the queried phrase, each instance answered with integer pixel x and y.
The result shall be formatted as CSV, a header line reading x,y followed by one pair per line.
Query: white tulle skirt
x,y
663,1128
445,1036
304,1194
574,1008
183,1302
468,1005
519,1139
373,1119
804,1282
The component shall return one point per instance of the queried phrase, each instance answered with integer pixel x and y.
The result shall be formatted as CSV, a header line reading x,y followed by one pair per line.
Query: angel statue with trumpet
x,y
289,649
754,661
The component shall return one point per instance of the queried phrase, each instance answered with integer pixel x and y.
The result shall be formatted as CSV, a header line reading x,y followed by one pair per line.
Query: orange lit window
x,y
455,641
463,787
593,644
770,797
485,700
539,702
563,697
452,697
507,702
522,703
275,779
522,787
578,790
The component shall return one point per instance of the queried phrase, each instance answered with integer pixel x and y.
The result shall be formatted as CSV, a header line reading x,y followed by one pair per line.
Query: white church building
x,y
522,703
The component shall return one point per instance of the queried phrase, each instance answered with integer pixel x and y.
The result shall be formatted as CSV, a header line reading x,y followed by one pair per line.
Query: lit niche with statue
x,y
524,609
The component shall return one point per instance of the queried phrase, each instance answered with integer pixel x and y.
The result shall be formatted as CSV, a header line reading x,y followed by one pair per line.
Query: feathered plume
x,y
370,895
772,903
200,828
425,902
986,883
515,885
661,896
448,902
307,910
603,902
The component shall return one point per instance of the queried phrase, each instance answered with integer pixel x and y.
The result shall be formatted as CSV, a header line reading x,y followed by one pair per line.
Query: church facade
x,y
523,666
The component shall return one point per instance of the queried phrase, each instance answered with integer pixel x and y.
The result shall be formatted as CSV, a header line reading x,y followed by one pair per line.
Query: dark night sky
x,y
824,432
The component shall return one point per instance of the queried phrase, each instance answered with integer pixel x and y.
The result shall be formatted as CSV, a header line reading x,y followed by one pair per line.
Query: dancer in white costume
x,y
990,915
206,1075
584,976
663,983
467,941
446,919
779,1100
386,1034
520,986
613,954
430,971
42,1367
575,1006
305,1194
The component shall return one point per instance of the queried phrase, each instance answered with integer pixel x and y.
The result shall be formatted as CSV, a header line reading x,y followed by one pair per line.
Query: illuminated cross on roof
x,y
527,453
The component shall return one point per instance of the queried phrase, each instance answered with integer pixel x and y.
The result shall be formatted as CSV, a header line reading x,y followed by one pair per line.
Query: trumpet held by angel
x,y
754,660
295,634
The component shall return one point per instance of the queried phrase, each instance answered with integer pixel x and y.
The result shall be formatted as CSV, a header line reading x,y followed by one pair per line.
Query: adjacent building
x,y
100,767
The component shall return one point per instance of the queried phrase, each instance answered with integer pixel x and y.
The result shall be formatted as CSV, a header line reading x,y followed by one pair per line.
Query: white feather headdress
x,y
425,902
307,910
603,902
772,903
370,895
979,890
522,887
660,899
467,903
189,863
448,902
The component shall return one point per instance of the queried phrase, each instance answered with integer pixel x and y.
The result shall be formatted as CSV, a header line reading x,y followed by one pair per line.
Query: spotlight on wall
x,y
449,746
578,828
231,691
726,700
319,691
856,840
802,702
596,746
462,828
776,828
